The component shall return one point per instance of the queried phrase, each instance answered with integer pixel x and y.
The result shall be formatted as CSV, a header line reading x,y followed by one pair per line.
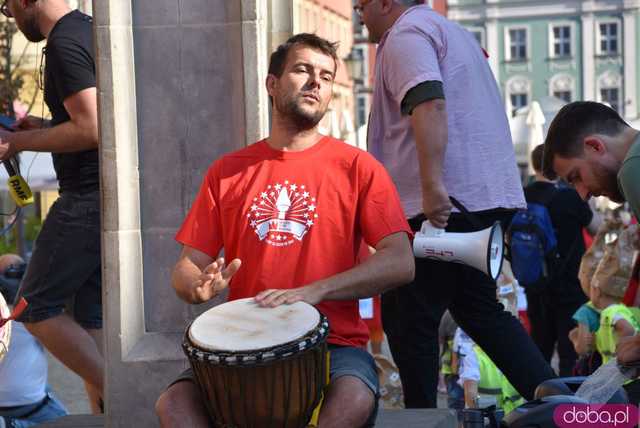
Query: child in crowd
x,y
25,399
449,363
616,319
587,318
483,383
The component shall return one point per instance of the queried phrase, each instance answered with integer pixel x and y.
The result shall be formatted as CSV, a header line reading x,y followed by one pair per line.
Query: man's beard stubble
x,y
609,180
300,118
31,30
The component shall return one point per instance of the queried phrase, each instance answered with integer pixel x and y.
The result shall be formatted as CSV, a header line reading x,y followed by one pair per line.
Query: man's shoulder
x,y
419,15
252,150
354,155
71,35
422,18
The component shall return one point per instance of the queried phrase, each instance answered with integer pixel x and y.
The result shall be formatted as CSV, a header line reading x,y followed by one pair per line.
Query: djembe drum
x,y
259,367
5,330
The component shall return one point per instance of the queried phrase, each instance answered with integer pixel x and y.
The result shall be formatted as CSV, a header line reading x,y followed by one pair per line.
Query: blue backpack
x,y
533,245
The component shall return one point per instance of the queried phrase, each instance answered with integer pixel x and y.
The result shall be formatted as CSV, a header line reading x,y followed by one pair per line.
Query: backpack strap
x,y
545,200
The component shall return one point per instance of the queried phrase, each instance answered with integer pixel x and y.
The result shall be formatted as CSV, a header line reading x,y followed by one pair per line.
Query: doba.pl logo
x,y
596,415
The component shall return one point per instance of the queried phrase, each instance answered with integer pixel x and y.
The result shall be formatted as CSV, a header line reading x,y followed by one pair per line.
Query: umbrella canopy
x,y
535,123
521,131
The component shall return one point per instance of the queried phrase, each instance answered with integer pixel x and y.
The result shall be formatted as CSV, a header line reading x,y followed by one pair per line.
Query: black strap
x,y
468,215
32,409
489,391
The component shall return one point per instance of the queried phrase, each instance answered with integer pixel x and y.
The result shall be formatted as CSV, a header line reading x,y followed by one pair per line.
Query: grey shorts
x,y
344,361
64,269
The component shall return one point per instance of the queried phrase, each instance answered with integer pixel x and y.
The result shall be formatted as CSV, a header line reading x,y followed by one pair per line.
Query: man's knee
x,y
360,399
363,400
177,399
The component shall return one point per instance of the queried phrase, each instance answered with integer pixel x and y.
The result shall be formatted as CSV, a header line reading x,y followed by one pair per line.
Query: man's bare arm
x,y
78,134
197,277
392,265
429,124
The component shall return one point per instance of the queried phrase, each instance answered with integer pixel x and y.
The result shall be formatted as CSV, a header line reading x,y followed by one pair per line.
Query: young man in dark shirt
x,y
550,311
65,265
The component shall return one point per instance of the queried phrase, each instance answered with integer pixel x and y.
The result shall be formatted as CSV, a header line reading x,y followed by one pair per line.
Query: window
x,y
518,101
609,90
562,86
518,44
361,110
563,95
518,92
562,41
611,96
608,38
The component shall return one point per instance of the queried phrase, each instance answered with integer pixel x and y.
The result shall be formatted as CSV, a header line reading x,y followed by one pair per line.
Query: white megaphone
x,y
483,250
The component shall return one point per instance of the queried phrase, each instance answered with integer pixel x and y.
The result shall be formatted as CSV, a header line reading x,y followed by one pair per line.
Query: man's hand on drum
x,y
215,278
311,294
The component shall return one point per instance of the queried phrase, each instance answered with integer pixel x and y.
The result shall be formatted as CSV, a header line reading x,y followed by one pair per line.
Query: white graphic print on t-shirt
x,y
282,213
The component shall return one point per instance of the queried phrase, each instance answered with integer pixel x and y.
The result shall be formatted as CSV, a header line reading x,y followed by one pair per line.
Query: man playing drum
x,y
297,210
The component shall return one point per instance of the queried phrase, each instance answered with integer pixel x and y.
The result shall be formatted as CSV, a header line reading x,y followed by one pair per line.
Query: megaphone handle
x,y
430,230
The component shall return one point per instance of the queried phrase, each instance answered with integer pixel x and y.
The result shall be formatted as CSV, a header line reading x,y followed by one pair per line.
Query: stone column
x,y
180,83
493,47
588,58
630,65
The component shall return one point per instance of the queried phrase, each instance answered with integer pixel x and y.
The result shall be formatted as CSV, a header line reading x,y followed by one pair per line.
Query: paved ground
x,y
68,387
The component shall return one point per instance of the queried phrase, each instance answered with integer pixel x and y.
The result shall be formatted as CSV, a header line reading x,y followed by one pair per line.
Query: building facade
x,y
331,19
572,50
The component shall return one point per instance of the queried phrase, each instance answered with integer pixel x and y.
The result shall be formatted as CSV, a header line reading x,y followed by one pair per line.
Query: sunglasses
x,y
4,9
359,8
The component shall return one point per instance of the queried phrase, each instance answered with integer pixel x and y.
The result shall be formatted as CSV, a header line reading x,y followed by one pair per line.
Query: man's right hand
x,y
29,123
436,205
214,279
7,147
628,350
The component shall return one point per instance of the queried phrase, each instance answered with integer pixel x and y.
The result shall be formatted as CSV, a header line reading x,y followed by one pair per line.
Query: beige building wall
x,y
332,21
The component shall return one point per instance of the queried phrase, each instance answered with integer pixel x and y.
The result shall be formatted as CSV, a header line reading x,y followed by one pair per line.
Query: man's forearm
x,y
386,269
183,276
66,137
429,124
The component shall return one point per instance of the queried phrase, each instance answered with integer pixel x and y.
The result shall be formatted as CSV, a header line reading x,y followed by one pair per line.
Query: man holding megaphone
x,y
438,124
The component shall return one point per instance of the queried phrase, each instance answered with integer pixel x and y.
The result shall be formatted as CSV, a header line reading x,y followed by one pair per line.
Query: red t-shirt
x,y
294,218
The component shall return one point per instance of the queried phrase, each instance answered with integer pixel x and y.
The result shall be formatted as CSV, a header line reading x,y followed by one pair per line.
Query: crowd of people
x,y
440,151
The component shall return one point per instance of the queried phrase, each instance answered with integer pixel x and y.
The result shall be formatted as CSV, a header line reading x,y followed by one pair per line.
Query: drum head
x,y
242,325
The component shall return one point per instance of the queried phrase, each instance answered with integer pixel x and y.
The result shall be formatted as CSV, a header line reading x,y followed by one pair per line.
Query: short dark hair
x,y
279,56
572,124
536,158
